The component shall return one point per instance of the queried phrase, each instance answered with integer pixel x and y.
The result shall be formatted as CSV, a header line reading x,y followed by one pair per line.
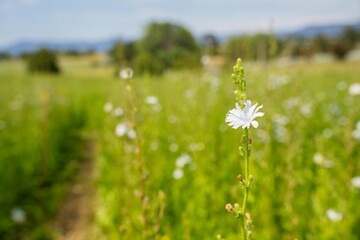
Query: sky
x,y
95,20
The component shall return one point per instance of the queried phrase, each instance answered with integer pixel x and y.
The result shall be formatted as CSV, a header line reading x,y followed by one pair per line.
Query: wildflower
x,y
183,160
320,160
244,118
152,100
178,173
126,73
333,215
118,112
121,129
108,107
18,215
354,89
356,133
131,133
355,182
229,208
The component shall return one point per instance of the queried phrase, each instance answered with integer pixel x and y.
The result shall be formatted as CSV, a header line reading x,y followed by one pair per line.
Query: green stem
x,y
246,181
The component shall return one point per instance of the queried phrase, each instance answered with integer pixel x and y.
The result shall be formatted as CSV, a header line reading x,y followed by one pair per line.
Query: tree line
x,y
166,45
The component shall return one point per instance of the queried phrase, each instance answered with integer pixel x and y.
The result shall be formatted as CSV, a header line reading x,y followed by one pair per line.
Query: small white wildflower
x,y
173,147
178,173
356,133
355,182
244,118
183,160
354,89
18,215
126,73
108,107
131,133
334,215
318,158
152,100
121,129
118,112
205,60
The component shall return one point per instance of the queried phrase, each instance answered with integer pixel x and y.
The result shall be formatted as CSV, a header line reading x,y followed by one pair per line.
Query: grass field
x,y
171,166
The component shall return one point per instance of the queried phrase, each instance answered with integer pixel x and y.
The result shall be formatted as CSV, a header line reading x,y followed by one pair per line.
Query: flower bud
x,y
229,208
235,78
238,62
243,84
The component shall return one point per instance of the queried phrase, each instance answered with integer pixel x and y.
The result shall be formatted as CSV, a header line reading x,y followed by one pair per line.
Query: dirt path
x,y
75,216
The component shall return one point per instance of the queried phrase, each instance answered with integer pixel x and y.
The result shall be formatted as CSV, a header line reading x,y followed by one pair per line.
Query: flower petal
x,y
255,124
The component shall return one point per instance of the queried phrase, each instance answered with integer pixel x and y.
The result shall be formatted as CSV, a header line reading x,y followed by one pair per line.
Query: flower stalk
x,y
244,118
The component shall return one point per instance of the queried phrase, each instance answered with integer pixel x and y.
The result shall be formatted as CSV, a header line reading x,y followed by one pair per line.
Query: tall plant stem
x,y
139,162
246,185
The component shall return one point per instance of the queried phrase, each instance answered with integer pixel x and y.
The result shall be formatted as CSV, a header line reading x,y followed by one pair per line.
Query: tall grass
x,y
304,154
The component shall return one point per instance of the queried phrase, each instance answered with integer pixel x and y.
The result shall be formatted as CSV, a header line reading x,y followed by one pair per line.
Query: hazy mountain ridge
x,y
331,30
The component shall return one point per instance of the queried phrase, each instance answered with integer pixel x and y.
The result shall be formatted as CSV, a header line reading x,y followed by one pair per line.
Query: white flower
x,y
183,160
118,112
126,73
108,107
178,173
355,182
334,215
354,89
18,215
244,118
121,129
356,132
131,133
152,100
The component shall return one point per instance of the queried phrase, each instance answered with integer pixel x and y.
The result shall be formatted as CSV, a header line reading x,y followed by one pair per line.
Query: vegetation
x,y
166,165
306,137
42,60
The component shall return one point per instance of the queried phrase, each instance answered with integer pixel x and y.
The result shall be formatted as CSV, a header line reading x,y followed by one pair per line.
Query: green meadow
x,y
161,161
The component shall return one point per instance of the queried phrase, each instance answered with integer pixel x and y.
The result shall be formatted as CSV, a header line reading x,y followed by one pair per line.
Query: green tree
x,y
166,46
42,60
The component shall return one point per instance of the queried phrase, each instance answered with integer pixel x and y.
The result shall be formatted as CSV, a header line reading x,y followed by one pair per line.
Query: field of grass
x,y
171,166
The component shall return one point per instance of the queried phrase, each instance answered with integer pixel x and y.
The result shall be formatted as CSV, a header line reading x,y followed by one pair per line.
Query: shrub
x,y
43,60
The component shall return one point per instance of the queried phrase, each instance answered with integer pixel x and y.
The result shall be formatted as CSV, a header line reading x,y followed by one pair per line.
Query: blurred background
x,y
112,118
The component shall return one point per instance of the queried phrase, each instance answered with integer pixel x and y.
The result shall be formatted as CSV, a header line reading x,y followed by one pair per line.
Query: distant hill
x,y
78,46
331,30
